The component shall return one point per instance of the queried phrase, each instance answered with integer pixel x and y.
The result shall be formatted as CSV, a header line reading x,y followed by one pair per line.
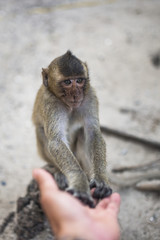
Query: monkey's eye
x,y
79,80
67,82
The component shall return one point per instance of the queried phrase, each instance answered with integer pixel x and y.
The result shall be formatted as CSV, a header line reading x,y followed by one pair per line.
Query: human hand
x,y
69,218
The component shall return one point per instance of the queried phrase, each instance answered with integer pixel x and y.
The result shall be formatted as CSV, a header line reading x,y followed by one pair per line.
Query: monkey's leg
x,y
58,176
100,184
76,140
78,148
98,168
42,149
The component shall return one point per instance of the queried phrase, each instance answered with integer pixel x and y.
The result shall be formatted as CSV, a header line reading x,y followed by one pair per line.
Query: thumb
x,y
114,205
45,180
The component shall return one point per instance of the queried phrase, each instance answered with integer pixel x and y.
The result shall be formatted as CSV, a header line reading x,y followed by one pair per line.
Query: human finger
x,y
103,203
114,204
52,199
49,192
44,180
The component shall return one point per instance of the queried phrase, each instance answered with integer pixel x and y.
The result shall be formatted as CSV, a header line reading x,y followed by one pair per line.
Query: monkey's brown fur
x,y
67,127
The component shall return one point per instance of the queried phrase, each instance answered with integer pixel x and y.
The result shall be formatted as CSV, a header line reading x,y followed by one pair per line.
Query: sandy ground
x,y
120,41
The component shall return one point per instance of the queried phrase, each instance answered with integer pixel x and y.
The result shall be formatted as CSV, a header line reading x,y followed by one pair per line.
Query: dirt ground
x,y
120,41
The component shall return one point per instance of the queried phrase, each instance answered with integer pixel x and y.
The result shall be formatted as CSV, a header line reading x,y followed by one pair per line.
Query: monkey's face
x,y
73,91
67,77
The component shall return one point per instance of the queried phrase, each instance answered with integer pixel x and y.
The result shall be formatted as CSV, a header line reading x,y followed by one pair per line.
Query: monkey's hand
x,y
82,196
61,180
102,189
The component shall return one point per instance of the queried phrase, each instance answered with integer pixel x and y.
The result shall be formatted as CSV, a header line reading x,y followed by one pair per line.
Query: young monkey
x,y
68,132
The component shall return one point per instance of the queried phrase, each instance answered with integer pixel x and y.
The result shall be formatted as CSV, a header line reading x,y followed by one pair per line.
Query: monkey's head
x,y
67,78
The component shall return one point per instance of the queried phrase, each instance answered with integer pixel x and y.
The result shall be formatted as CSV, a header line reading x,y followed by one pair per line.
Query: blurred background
x,y
120,41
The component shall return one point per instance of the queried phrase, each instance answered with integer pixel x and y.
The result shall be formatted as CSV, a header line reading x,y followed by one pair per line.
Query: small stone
x,y
3,183
156,59
153,219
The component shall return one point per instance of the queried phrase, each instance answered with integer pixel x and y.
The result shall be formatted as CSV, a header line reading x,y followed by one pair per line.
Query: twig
x,y
130,137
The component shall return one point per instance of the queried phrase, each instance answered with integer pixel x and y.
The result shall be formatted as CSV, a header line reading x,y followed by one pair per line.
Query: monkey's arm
x,y
98,170
63,158
96,151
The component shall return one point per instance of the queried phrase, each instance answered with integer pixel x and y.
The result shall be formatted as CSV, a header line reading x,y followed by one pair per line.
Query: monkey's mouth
x,y
75,103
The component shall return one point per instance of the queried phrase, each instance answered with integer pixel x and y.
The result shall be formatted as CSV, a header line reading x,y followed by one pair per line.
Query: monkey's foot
x,y
102,190
83,197
59,177
61,180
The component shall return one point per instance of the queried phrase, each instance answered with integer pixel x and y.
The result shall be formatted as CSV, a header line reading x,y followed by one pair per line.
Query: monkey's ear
x,y
45,76
86,68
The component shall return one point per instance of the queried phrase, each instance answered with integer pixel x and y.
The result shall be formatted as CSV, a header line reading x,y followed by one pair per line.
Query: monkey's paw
x,y
82,196
102,190
61,180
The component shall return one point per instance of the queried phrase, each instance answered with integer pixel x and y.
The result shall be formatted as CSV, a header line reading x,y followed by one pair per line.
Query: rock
x,y
29,221
3,183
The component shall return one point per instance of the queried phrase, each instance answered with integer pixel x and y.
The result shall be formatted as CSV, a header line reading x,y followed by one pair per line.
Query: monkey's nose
x,y
75,93
74,97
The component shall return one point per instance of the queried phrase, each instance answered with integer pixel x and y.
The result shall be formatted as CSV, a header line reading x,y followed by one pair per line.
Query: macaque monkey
x,y
68,132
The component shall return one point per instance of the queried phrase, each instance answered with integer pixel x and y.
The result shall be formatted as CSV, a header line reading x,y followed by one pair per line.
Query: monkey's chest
x,y
73,131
